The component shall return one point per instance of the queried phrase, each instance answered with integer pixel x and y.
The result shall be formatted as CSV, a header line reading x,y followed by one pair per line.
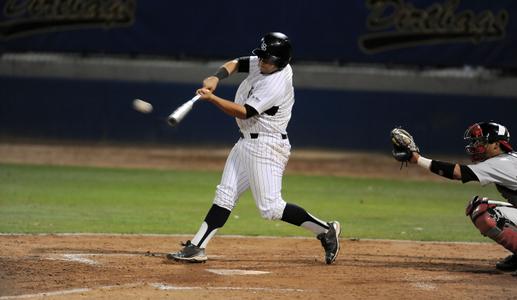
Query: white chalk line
x,y
83,257
71,291
57,293
73,258
352,239
158,286
166,287
80,258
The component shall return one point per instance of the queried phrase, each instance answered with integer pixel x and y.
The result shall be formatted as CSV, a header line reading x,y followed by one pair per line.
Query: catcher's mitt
x,y
403,145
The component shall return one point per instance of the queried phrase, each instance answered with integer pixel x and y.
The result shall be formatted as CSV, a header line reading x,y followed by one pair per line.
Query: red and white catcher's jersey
x,y
500,170
272,95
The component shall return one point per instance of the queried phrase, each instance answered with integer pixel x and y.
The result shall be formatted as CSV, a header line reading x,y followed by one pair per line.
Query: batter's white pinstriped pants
x,y
257,164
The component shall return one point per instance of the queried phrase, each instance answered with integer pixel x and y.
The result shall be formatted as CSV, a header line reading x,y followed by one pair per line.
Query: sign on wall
x,y
31,17
398,24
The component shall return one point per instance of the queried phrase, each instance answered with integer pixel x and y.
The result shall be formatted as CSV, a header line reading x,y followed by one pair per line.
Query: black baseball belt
x,y
256,135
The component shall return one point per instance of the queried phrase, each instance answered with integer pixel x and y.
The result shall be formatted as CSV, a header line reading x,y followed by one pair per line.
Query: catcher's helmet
x,y
276,47
482,133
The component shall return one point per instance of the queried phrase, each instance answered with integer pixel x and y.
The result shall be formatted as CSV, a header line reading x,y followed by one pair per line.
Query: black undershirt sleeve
x,y
244,64
250,111
467,174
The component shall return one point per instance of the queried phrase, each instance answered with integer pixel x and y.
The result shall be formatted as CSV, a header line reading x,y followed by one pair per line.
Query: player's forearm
x,y
228,68
231,66
228,107
445,169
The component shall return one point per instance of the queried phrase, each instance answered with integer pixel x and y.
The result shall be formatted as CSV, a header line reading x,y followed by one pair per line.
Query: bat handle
x,y
195,98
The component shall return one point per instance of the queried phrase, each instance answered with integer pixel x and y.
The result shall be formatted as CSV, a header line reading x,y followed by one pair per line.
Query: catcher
x,y
494,162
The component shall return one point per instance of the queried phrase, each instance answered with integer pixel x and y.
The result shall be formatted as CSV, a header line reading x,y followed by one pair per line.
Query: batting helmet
x,y
276,47
483,133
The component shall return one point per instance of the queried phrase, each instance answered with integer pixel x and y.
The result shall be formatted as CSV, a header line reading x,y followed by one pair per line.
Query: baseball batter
x,y
262,108
495,162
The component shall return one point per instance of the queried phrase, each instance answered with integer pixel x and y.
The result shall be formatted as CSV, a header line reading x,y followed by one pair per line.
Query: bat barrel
x,y
172,121
179,114
181,111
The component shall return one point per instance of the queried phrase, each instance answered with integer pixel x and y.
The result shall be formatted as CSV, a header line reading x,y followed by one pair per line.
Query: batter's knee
x,y
274,212
225,196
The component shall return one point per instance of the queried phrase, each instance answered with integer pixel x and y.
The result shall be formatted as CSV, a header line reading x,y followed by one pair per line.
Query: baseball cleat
x,y
330,241
507,264
190,253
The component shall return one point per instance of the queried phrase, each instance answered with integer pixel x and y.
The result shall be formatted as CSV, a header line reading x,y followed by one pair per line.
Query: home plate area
x,y
85,266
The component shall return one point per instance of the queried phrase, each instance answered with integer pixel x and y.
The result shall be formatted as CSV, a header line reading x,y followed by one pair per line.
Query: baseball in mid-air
x,y
142,106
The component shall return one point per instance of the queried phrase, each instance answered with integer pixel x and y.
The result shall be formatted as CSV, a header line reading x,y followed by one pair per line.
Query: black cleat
x,y
190,253
330,241
507,264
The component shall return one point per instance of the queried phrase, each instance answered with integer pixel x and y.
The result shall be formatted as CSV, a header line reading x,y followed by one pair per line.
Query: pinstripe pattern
x,y
257,164
263,92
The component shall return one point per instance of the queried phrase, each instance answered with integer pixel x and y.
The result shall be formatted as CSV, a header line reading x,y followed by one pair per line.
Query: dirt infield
x,y
131,266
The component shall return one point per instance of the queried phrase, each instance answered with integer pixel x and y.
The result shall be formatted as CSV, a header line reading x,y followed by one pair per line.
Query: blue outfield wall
x,y
100,111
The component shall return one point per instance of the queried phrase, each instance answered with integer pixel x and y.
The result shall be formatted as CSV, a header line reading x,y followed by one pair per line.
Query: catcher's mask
x,y
483,133
275,47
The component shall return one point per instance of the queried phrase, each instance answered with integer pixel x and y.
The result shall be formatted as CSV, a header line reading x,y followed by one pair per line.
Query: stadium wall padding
x,y
101,111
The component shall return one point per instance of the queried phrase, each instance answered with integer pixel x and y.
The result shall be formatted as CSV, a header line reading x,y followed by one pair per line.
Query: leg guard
x,y
508,238
506,218
494,222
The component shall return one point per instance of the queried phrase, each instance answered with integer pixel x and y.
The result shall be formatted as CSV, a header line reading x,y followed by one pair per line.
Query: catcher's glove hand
x,y
403,145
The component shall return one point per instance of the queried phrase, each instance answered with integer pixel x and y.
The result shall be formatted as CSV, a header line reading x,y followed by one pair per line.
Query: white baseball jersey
x,y
257,161
264,93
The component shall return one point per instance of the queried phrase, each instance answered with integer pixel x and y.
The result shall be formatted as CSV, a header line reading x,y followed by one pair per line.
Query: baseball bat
x,y
182,111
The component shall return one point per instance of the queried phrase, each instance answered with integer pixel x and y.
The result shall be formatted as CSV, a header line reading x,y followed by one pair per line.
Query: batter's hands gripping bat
x,y
182,111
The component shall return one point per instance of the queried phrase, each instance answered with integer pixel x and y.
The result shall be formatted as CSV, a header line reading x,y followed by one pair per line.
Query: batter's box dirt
x,y
131,267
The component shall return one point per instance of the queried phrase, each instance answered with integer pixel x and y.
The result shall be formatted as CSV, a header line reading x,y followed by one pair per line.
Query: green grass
x,y
53,199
